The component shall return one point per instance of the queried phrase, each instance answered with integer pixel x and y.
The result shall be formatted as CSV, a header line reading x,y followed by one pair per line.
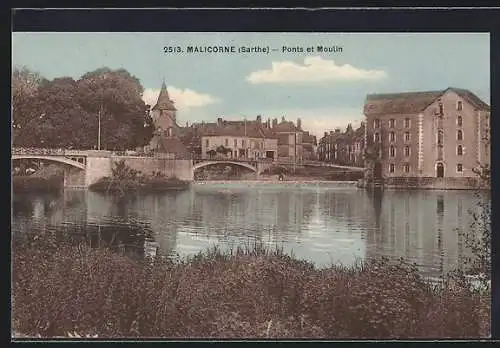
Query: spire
x,y
164,102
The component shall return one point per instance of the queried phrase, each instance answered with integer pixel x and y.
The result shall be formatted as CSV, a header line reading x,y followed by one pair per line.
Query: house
x,y
236,139
428,134
289,138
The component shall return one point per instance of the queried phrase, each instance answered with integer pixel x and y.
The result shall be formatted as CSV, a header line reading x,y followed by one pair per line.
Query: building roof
x,y
252,129
285,127
168,145
164,102
414,102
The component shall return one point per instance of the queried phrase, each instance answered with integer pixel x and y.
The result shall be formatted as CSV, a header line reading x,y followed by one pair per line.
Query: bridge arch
x,y
63,160
209,163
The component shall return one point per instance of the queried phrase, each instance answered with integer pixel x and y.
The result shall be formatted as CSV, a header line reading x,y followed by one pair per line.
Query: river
x,y
325,224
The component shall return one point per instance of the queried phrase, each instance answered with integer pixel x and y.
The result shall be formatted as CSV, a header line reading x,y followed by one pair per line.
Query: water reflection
x,y
322,224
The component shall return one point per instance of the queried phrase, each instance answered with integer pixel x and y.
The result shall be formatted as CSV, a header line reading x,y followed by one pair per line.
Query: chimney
x,y
337,130
299,123
268,123
259,118
219,121
275,122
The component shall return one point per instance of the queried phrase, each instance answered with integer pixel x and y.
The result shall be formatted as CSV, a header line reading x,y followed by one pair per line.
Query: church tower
x,y
164,114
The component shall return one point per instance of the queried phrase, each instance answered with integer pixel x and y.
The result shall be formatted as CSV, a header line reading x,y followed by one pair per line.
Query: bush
x,y
245,293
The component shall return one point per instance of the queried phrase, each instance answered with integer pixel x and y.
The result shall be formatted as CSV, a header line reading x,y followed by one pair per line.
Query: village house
x,y
237,139
428,134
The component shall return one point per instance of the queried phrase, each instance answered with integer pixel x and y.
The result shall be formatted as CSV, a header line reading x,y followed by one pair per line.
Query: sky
x,y
325,89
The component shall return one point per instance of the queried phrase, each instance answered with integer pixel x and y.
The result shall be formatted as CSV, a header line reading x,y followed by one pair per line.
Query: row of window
x,y
235,143
392,151
407,122
392,123
406,167
440,136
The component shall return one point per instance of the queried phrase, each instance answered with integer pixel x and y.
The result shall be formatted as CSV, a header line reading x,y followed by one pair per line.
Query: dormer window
x,y
441,109
459,105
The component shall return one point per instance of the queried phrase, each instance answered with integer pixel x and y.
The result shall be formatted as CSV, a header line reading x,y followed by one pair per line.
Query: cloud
x,y
184,99
314,69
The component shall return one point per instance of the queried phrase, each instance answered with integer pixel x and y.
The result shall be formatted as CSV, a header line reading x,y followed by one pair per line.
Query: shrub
x,y
245,293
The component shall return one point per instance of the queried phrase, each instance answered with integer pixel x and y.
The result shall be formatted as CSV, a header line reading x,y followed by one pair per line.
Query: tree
x,y
116,96
24,88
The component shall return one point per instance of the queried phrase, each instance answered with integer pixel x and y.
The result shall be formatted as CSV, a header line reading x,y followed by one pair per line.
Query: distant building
x,y
428,134
289,139
343,148
309,146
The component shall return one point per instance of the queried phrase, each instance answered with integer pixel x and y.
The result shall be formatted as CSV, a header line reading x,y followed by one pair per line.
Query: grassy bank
x,y
29,183
252,293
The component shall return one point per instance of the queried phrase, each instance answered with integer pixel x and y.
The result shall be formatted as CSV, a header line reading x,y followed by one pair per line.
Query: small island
x,y
128,180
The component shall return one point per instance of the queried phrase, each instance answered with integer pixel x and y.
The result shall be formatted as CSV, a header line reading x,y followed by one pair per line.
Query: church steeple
x,y
164,102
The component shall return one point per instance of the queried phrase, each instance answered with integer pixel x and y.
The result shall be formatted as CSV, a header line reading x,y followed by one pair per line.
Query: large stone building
x,y
428,134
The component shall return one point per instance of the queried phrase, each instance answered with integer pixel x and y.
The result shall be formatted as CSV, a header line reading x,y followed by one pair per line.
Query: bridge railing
x,y
37,151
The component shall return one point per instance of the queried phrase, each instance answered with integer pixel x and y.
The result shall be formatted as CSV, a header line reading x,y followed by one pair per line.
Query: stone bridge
x,y
83,168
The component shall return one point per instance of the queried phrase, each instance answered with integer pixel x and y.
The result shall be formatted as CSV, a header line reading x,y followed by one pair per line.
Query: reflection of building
x,y
413,227
428,134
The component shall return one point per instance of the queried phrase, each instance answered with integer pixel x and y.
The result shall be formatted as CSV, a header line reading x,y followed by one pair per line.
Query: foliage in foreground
x,y
60,288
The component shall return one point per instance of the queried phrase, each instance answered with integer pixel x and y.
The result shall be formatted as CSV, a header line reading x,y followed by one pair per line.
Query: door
x,y
440,170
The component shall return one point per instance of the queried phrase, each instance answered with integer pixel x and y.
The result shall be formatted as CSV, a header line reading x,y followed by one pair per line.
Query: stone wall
x,y
468,183
182,169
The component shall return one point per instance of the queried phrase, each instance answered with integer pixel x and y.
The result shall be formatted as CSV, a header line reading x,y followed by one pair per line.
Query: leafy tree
x,y
24,89
117,96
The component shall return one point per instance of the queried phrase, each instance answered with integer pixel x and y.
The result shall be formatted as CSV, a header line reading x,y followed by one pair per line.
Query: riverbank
x,y
142,185
247,293
30,183
284,182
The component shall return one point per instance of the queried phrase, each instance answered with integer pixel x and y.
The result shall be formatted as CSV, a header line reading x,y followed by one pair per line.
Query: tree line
x,y
65,113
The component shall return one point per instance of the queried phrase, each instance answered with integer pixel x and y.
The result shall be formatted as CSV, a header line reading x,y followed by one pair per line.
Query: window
x,y
460,135
407,123
406,168
459,105
407,151
392,151
440,136
376,123
376,137
391,168
235,143
391,123
407,136
243,144
460,150
459,167
207,143
226,142
459,121
392,136
441,111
